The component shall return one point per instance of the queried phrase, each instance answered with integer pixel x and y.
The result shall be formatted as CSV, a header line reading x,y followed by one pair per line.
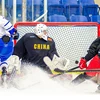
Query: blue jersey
x,y
6,29
6,50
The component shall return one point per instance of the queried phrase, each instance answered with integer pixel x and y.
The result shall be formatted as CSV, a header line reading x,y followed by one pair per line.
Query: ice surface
x,y
36,85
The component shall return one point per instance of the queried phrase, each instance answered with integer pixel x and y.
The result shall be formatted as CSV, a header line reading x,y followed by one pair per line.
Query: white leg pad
x,y
14,61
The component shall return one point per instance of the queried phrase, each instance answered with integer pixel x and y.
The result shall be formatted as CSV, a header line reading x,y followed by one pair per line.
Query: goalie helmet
x,y
41,31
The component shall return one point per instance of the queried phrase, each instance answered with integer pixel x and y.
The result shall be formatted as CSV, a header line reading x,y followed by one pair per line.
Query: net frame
x,y
70,26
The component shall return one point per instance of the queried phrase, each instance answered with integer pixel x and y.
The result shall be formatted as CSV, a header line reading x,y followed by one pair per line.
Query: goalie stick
x,y
60,73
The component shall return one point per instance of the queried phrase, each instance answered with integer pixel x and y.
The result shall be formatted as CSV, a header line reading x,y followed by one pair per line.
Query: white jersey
x,y
6,28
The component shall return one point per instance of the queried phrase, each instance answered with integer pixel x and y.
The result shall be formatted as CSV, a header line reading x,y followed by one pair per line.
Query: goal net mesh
x,y
72,39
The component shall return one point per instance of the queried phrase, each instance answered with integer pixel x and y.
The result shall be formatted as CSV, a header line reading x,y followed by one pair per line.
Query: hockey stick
x,y
62,72
68,71
71,70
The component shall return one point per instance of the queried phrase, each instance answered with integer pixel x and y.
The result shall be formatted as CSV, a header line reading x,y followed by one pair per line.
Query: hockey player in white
x,y
7,34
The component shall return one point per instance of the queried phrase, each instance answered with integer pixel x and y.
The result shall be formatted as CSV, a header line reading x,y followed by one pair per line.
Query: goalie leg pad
x,y
14,61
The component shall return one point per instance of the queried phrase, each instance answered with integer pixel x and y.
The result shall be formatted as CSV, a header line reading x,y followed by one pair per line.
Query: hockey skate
x,y
4,77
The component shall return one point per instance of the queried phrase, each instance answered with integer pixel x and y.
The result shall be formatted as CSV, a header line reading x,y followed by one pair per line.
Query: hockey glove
x,y
82,63
5,39
15,35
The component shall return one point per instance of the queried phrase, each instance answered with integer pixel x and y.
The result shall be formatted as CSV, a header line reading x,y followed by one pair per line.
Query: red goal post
x,y
72,38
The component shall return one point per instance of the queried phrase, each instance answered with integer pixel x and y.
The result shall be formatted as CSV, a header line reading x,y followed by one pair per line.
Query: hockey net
x,y
72,39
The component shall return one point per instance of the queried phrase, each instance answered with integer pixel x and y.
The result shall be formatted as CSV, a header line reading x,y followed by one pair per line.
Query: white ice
x,y
45,88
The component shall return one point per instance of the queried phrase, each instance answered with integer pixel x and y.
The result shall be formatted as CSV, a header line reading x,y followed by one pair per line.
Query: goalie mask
x,y
41,31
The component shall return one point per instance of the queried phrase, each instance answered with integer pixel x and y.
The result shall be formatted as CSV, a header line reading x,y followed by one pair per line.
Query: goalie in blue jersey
x,y
7,34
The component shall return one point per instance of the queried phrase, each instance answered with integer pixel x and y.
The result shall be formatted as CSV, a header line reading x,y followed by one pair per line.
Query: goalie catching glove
x,y
57,63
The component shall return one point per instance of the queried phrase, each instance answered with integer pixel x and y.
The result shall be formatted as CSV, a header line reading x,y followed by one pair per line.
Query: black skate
x,y
4,77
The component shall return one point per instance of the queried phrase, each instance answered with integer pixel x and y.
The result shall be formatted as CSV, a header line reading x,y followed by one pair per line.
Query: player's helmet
x,y
41,31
